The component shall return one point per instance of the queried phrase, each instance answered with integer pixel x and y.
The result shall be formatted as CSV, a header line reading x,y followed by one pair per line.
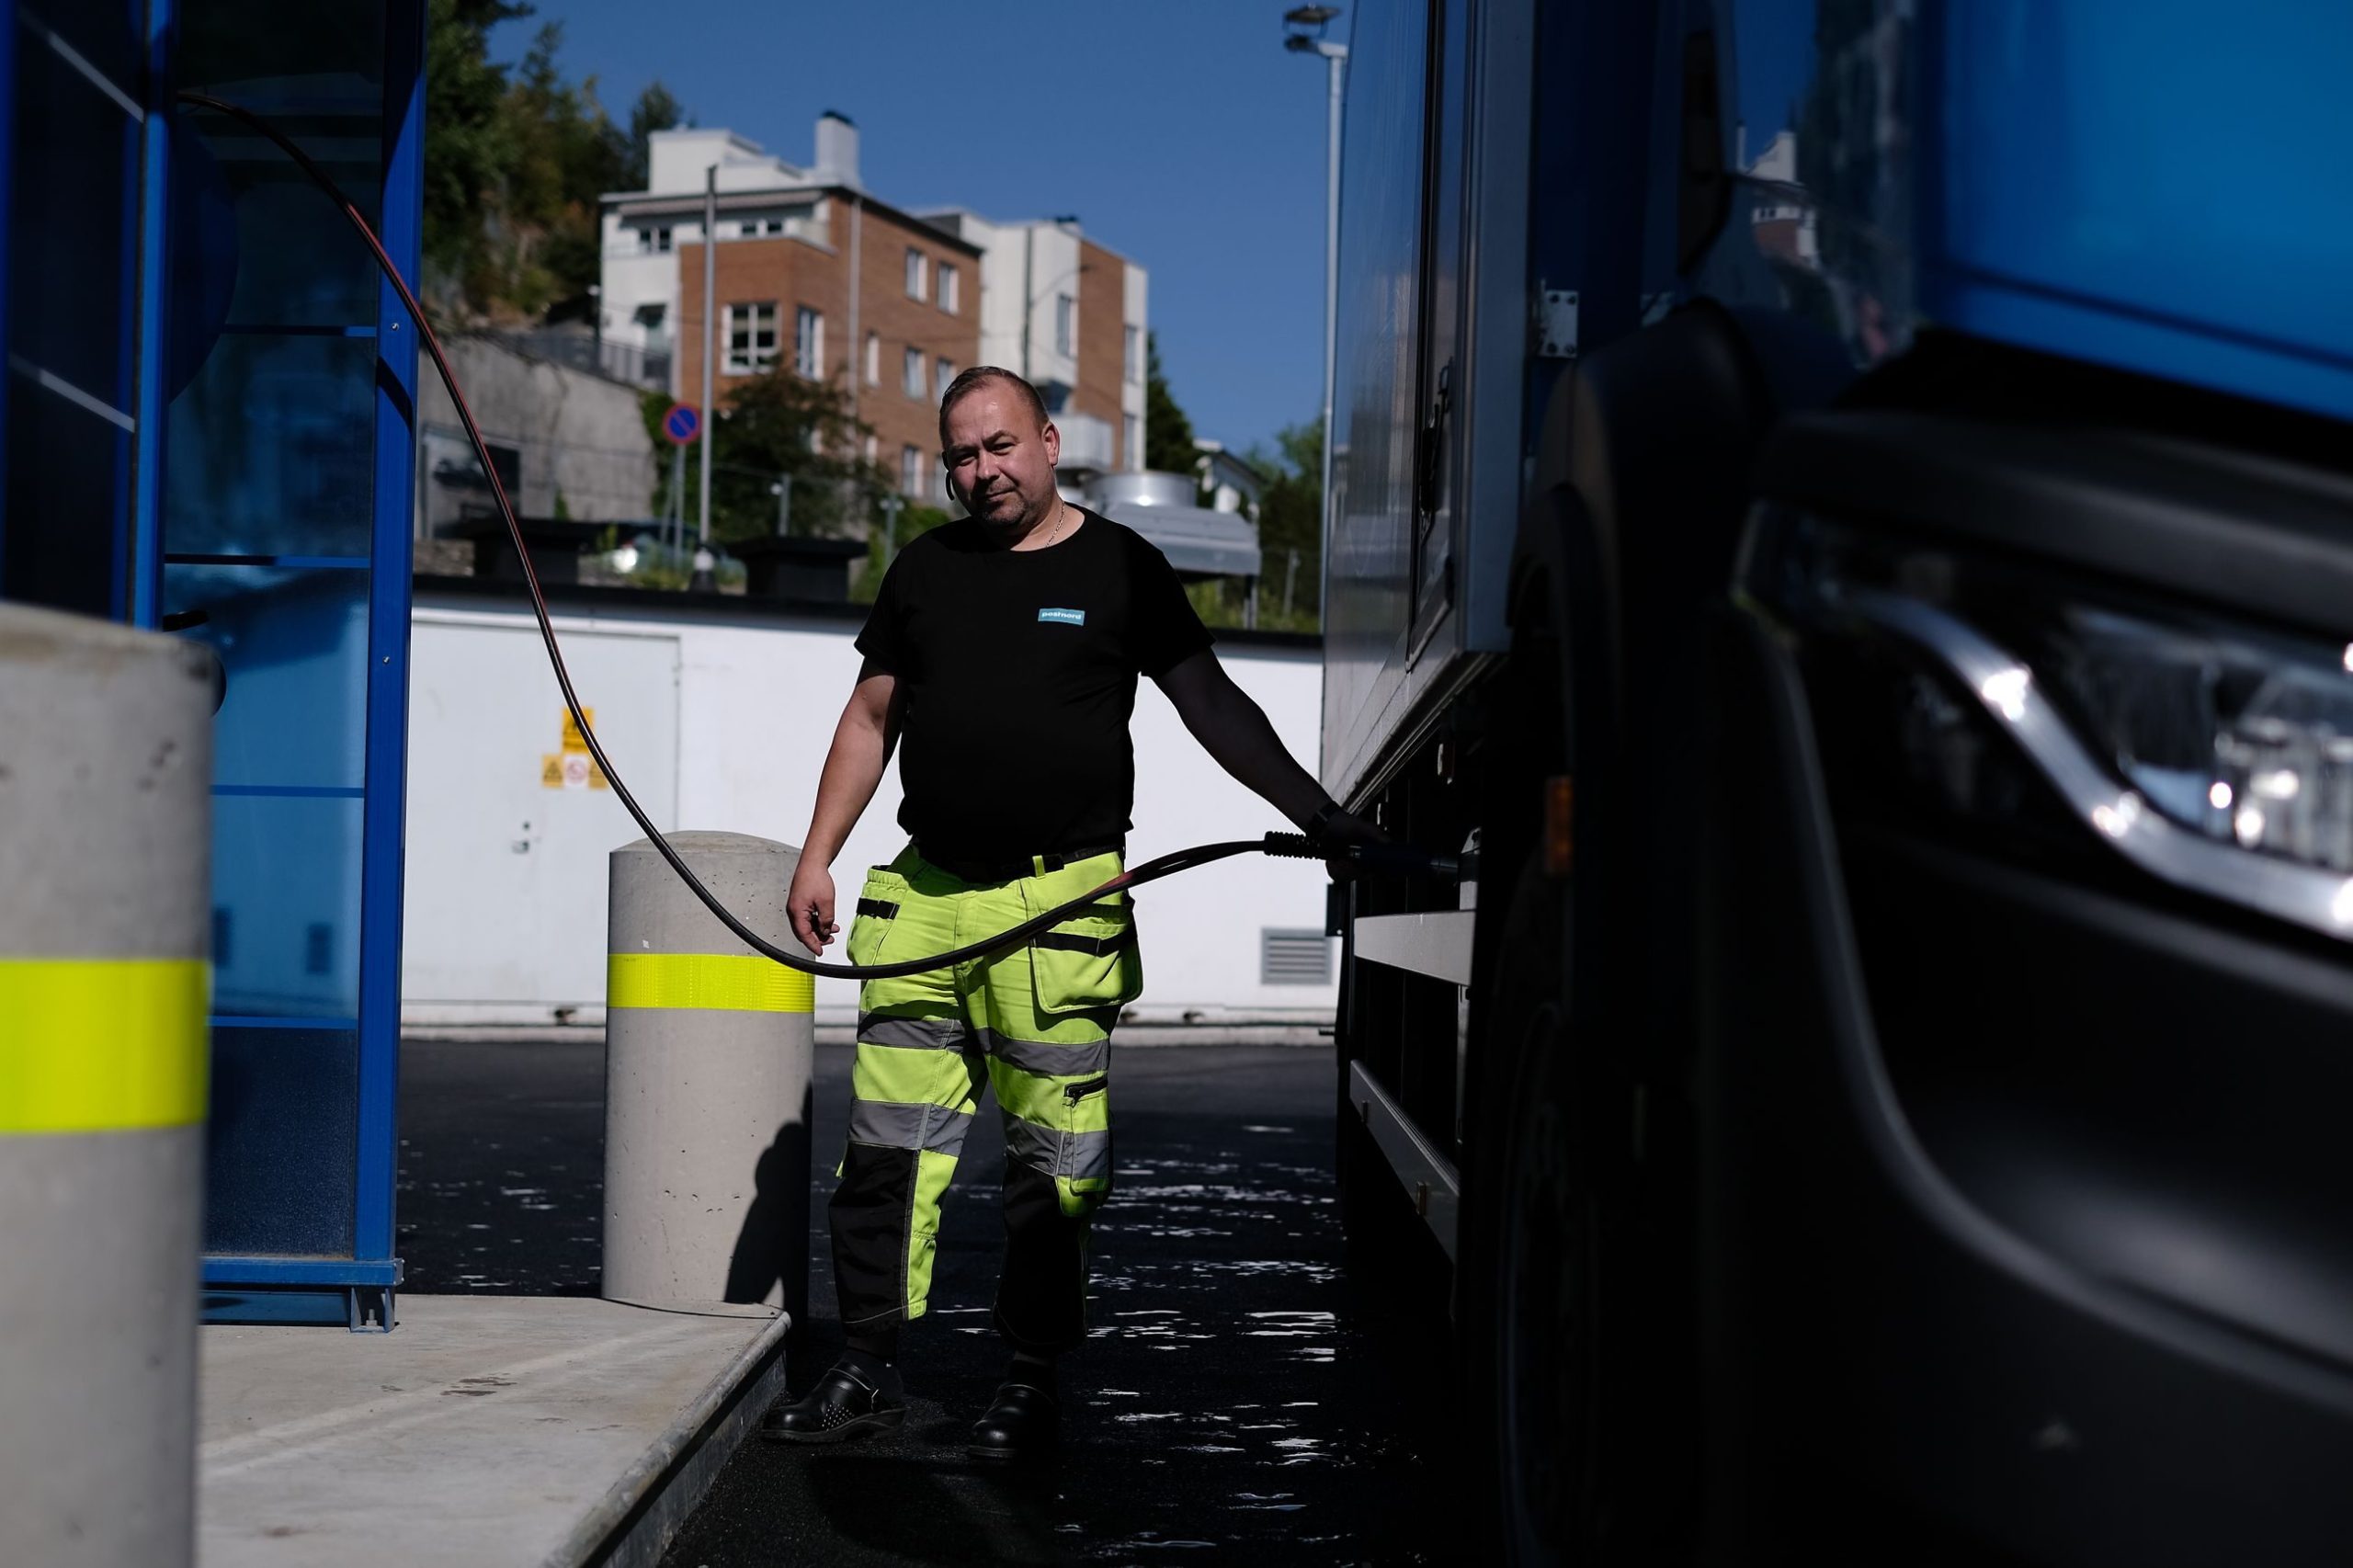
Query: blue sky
x,y
1181,134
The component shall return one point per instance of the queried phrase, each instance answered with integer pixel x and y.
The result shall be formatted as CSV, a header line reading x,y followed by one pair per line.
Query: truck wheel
x,y
1535,1254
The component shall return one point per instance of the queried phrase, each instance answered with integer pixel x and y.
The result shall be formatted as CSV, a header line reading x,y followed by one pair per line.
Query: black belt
x,y
1021,866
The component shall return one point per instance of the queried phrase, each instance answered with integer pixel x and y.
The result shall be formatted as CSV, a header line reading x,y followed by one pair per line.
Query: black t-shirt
x,y
1018,670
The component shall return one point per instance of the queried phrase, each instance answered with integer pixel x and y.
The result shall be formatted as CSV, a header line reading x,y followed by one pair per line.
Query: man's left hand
x,y
1340,829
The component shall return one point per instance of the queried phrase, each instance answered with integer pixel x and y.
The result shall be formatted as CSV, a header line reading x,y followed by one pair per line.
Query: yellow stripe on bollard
x,y
734,982
99,1045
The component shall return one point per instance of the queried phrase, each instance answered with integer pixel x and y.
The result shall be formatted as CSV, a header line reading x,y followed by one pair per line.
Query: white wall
x,y
999,281
1053,270
757,705
676,161
630,278
1133,298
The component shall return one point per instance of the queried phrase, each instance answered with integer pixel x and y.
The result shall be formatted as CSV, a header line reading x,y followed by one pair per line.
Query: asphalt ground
x,y
1244,1395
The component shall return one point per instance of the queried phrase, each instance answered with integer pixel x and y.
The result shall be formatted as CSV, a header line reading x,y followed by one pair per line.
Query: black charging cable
x,y
1386,858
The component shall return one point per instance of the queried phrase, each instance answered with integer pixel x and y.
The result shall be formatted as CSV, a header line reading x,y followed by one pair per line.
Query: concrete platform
x,y
490,1431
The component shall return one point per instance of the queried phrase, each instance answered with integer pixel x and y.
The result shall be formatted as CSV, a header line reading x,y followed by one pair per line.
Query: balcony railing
x,y
1087,443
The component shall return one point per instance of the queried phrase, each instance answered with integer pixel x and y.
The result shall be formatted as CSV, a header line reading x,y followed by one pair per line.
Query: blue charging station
x,y
211,424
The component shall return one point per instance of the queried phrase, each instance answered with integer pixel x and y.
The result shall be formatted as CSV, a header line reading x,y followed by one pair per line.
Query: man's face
x,y
1000,459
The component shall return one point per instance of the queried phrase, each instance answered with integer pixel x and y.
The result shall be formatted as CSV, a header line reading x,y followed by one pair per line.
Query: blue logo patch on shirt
x,y
1066,617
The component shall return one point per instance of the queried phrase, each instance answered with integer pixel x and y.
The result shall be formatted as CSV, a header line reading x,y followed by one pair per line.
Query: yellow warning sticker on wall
x,y
572,739
570,770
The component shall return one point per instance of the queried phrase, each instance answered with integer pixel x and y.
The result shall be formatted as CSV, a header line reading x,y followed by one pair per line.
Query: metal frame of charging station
x,y
357,1291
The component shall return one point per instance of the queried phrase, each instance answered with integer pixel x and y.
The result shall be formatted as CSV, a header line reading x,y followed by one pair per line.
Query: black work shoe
x,y
842,1406
1019,1424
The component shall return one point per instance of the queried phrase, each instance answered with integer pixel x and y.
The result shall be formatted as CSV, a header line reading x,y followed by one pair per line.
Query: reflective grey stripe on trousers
x,y
891,1125
1041,1057
1082,1156
913,1034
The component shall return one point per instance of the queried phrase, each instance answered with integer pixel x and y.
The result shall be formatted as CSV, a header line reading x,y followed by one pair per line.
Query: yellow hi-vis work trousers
x,y
1037,1020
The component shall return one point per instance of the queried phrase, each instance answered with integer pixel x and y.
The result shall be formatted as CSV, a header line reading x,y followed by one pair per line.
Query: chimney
x,y
836,148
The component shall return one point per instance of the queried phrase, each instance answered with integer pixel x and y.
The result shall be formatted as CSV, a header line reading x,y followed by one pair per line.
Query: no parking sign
x,y
683,423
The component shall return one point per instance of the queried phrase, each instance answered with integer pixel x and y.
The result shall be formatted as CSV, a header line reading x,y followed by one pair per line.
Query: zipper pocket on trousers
x,y
1074,1093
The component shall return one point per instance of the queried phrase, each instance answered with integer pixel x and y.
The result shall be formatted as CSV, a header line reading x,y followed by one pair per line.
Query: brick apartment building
x,y
1070,315
814,273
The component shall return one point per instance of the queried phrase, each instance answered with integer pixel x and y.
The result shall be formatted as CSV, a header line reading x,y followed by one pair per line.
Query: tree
x,y
564,154
1167,433
1290,518
465,158
776,423
656,109
1290,538
516,164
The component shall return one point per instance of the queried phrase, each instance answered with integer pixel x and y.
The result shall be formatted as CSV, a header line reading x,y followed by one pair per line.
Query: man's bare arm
x,y
863,741
1234,729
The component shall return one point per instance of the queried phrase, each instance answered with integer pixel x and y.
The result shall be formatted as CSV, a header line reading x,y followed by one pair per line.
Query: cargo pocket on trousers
x,y
1083,1163
878,911
1089,961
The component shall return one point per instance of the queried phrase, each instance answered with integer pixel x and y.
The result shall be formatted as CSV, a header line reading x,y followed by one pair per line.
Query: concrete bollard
x,y
105,795
706,1092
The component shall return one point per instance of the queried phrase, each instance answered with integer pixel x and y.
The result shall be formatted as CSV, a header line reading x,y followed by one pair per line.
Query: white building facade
x,y
639,279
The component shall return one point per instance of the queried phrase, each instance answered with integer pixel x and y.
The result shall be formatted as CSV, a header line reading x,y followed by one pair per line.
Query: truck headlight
x,y
2216,756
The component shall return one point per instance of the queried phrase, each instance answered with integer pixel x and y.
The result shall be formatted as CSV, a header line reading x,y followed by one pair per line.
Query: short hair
x,y
969,379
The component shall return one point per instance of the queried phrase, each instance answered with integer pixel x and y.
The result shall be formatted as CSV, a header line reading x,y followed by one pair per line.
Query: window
x,y
1065,322
1131,442
751,338
942,373
911,470
874,359
809,343
873,449
913,372
651,317
753,228
950,291
650,238
918,269
1135,356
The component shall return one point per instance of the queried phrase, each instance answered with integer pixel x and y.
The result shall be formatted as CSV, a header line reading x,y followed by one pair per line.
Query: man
x,y
1003,653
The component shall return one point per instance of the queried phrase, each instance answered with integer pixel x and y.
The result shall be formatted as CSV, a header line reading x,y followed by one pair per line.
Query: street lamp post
x,y
1336,59
709,319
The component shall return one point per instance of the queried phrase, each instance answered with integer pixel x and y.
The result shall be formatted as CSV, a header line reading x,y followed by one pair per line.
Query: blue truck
x,y
1846,505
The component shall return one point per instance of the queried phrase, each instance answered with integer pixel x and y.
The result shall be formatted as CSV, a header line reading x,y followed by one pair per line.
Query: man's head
x,y
999,447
